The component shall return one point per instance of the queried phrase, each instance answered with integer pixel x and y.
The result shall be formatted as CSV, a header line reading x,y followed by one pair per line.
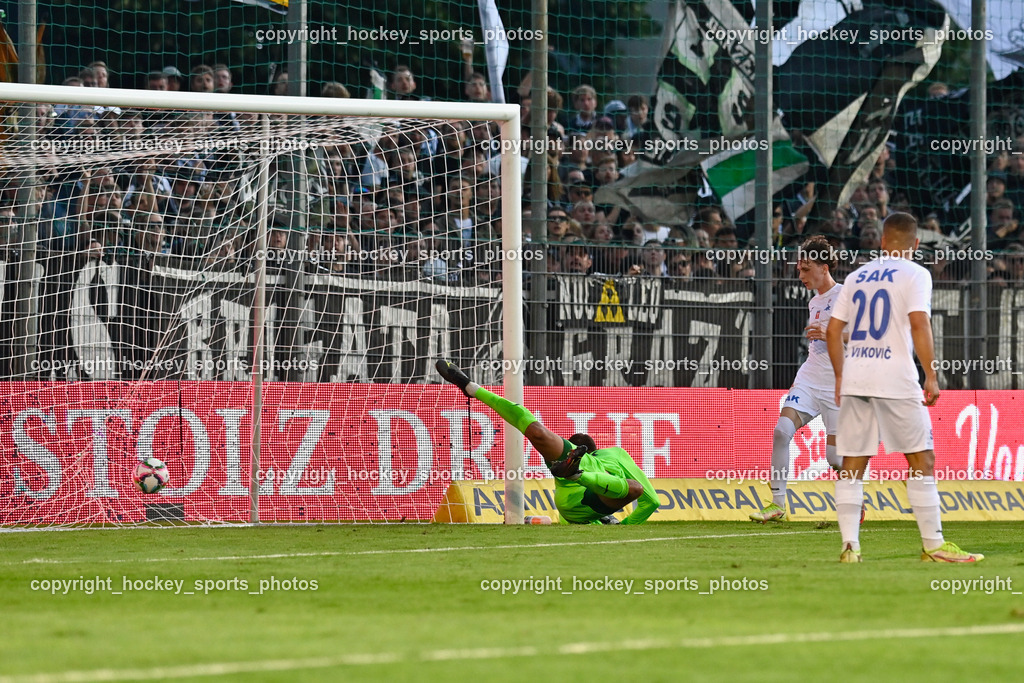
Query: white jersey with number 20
x,y
876,302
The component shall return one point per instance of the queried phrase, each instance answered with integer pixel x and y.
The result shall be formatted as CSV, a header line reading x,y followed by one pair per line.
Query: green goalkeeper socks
x,y
604,484
513,413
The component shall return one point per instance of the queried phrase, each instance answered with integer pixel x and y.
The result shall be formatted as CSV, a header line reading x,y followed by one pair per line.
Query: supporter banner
x,y
839,90
104,321
389,452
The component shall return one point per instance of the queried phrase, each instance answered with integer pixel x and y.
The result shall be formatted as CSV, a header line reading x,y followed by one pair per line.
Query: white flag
x,y
495,48
1006,22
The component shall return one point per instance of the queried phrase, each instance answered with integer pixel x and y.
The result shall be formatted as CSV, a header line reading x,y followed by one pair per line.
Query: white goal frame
x,y
512,230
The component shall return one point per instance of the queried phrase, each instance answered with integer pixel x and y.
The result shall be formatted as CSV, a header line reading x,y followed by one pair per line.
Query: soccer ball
x,y
151,475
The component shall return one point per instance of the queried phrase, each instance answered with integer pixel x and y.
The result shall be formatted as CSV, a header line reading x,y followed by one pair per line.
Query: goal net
x,y
253,290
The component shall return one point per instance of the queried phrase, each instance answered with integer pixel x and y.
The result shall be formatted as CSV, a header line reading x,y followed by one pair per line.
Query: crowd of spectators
x,y
425,201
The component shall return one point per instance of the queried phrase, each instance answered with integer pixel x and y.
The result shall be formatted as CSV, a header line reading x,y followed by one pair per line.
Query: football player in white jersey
x,y
888,303
813,390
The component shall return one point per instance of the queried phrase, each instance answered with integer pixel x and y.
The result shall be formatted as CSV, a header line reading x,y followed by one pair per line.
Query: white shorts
x,y
902,423
814,402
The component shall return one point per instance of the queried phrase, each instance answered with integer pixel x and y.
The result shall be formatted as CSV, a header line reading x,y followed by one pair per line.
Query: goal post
x,y
117,336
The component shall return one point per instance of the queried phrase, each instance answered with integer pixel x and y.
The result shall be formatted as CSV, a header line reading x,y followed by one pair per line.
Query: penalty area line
x,y
485,653
401,551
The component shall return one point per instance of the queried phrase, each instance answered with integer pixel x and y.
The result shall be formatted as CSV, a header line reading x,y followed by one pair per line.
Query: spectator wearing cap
x,y
579,192
995,188
584,101
618,113
174,77
577,259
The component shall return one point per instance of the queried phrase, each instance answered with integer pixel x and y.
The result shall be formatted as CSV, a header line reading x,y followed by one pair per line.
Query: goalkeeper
x,y
590,483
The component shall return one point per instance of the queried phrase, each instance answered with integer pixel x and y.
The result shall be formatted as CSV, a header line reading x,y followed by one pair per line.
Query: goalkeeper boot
x,y
772,513
451,373
849,555
950,552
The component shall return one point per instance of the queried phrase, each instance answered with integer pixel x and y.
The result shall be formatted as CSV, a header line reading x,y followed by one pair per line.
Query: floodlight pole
x,y
977,309
26,325
539,187
763,114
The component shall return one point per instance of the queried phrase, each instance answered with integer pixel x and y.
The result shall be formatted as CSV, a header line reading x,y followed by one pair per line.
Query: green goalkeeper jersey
x,y
579,505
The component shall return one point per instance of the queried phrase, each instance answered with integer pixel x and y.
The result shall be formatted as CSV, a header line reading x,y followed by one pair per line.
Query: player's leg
x,y
790,420
906,426
856,442
551,446
830,416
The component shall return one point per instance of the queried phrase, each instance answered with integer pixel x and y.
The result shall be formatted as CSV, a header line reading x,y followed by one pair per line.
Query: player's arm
x,y
834,340
924,347
647,505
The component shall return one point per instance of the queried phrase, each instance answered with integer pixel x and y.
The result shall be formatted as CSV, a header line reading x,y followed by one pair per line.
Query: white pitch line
x,y
393,551
468,654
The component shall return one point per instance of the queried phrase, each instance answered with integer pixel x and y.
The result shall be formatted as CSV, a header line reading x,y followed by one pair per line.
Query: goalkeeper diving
x,y
591,483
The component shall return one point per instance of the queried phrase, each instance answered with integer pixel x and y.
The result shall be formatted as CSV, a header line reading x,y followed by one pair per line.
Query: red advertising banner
x,y
388,452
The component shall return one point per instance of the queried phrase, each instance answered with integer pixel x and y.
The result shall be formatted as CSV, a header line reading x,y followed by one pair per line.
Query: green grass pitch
x,y
405,603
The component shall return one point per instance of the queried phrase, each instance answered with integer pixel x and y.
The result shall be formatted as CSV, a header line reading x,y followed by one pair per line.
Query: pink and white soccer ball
x,y
151,475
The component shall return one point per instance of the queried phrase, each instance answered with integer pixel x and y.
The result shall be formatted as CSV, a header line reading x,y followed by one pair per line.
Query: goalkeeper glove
x,y
569,466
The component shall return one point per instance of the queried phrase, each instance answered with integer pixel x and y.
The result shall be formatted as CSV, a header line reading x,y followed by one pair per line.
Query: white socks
x,y
834,461
849,499
784,431
923,495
